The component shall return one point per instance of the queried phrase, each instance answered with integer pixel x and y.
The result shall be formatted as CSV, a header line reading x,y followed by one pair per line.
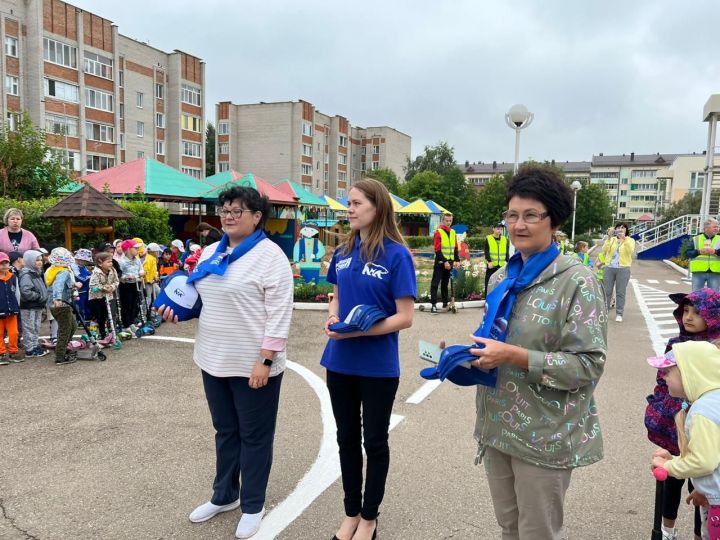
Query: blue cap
x,y
449,367
359,319
180,296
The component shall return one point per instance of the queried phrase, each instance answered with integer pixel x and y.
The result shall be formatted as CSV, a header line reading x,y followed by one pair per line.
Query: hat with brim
x,y
451,367
359,319
663,362
83,255
4,257
178,244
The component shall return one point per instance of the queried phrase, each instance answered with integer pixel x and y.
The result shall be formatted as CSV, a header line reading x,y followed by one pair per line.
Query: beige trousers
x,y
528,500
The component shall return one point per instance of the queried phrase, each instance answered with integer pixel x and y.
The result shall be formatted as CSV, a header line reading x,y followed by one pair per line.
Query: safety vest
x,y
601,269
584,258
498,250
705,263
447,244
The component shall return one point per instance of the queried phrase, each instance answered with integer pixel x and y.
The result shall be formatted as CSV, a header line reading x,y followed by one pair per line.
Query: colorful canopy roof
x,y
154,179
335,205
645,217
305,197
423,207
398,202
230,178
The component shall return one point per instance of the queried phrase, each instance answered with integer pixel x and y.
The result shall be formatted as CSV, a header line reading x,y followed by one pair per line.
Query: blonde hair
x,y
581,244
12,212
383,226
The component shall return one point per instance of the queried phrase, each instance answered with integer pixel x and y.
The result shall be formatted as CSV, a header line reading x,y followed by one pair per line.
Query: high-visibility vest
x,y
601,269
705,263
498,250
447,244
584,258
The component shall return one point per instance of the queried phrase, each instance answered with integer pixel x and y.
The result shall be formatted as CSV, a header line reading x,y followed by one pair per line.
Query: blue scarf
x,y
220,260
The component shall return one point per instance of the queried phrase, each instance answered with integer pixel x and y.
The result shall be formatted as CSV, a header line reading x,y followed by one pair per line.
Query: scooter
x,y
90,350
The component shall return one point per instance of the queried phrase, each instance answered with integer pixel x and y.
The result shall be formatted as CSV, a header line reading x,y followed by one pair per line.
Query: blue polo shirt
x,y
379,283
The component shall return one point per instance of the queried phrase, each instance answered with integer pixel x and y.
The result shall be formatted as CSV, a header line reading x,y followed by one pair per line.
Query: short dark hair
x,y
102,257
623,224
167,251
546,186
251,198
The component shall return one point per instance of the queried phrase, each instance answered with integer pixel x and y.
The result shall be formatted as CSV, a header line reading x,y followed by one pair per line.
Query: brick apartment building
x,y
293,140
103,98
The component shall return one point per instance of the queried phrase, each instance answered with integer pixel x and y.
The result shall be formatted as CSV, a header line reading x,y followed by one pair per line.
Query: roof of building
x,y
500,168
87,202
304,196
230,178
634,159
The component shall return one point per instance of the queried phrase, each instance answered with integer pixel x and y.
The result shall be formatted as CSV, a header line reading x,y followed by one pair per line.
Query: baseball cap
x,y
127,244
43,251
14,256
152,246
663,362
4,257
359,319
178,244
500,224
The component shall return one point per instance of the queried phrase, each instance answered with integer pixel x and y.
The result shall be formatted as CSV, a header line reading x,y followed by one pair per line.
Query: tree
x,y
439,159
594,210
210,149
29,167
425,185
491,201
387,177
689,204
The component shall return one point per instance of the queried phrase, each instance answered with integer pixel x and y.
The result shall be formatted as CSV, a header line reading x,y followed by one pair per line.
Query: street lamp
x,y
517,118
711,113
576,186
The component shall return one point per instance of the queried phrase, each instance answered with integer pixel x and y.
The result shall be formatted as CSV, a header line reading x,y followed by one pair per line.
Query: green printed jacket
x,y
546,415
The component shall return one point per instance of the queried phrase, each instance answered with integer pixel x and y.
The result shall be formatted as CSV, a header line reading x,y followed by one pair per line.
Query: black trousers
x,y
671,501
244,420
128,303
362,403
441,277
488,273
98,308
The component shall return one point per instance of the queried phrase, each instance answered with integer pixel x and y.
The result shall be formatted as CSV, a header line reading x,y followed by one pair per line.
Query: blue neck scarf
x,y
500,301
220,260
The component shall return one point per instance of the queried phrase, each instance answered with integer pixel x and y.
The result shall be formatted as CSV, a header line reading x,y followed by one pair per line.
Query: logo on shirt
x,y
343,265
374,270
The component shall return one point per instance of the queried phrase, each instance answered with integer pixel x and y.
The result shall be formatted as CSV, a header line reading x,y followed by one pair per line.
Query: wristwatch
x,y
266,361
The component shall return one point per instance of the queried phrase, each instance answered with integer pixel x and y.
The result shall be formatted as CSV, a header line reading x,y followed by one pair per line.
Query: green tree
x,y
689,204
439,159
424,185
210,149
491,201
594,210
387,177
29,168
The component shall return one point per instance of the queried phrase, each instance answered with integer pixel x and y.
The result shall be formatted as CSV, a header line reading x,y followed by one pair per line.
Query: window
x,y
59,53
160,120
191,123
191,95
98,65
99,163
11,46
326,176
375,165
376,149
342,159
340,193
195,173
140,129
98,99
642,174
159,91
623,192
363,150
13,120
307,129
122,141
139,100
121,78
623,204
61,90
12,85
318,166
140,154
604,174
697,180
70,160
342,141
307,150
306,169
318,147
122,110
362,166
223,128
160,148
224,148
191,149
342,176
223,166
99,132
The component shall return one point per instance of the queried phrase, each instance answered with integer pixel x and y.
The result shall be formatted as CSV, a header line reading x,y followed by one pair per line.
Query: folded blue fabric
x,y
359,319
449,367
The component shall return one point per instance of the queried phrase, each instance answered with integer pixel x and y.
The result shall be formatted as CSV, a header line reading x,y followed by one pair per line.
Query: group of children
x,y
114,287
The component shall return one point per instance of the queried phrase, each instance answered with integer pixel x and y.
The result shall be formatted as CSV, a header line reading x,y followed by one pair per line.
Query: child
x,y
16,263
132,274
692,372
166,266
9,311
33,299
698,316
82,269
192,259
103,282
151,273
581,250
61,281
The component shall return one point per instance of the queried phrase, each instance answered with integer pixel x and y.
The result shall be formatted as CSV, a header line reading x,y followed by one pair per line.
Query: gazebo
x,y
87,203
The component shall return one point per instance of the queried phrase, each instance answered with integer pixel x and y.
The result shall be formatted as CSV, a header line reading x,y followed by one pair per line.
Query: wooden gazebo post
x,y
68,233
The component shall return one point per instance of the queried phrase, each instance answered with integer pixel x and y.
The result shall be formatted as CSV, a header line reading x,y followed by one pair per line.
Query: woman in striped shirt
x,y
246,287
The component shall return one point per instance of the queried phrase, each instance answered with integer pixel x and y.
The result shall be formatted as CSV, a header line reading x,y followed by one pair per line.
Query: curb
x,y
674,266
316,306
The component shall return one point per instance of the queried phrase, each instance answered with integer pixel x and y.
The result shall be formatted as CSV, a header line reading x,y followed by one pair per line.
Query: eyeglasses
x,y
531,216
236,213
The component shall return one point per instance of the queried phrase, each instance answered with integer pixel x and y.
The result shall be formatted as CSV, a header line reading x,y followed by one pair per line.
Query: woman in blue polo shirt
x,y
372,266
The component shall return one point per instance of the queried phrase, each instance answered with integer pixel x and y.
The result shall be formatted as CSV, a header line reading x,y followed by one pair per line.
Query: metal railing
x,y
687,224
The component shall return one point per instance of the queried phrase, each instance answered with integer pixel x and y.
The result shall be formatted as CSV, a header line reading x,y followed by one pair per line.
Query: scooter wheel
x,y
453,309
422,308
101,356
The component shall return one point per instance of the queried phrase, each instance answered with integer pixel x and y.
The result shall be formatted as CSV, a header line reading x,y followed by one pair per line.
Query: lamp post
x,y
711,113
576,186
517,118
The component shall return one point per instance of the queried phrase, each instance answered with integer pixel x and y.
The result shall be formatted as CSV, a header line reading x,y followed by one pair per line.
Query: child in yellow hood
x,y
61,282
693,373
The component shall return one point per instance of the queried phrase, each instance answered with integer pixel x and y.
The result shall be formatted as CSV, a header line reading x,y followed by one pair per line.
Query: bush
x,y
686,244
470,281
475,242
419,242
682,263
311,291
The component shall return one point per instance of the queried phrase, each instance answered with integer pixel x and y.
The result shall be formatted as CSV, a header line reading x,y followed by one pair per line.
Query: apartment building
x,y
293,140
478,174
103,98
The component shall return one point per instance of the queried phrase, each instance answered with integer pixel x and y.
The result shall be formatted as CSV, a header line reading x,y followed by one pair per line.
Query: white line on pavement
x,y
671,282
655,337
424,391
653,281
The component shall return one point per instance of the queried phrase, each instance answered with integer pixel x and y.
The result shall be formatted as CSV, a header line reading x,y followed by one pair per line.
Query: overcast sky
x,y
611,76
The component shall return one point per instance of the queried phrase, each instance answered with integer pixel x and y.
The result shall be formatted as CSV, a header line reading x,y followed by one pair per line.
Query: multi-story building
x,y
294,140
103,98
478,174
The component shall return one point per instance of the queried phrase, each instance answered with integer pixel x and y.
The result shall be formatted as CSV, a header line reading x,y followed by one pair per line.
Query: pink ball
x,y
660,474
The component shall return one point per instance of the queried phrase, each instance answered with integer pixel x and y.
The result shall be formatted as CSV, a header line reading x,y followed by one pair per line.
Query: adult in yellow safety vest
x,y
705,257
496,251
446,257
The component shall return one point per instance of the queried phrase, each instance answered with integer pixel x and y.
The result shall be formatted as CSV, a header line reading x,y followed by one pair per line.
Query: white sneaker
x,y
669,534
210,510
249,524
618,318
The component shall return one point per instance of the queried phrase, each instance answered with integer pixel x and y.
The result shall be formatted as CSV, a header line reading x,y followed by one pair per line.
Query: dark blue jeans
x,y
362,403
244,421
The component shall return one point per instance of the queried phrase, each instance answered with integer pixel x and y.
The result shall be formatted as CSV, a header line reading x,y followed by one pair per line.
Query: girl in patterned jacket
x,y
698,316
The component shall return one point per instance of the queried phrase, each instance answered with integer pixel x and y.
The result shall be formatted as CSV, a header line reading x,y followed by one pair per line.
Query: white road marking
x,y
656,337
671,282
424,391
653,281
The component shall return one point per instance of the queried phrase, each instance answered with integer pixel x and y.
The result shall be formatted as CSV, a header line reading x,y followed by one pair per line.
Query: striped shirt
x,y
251,303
